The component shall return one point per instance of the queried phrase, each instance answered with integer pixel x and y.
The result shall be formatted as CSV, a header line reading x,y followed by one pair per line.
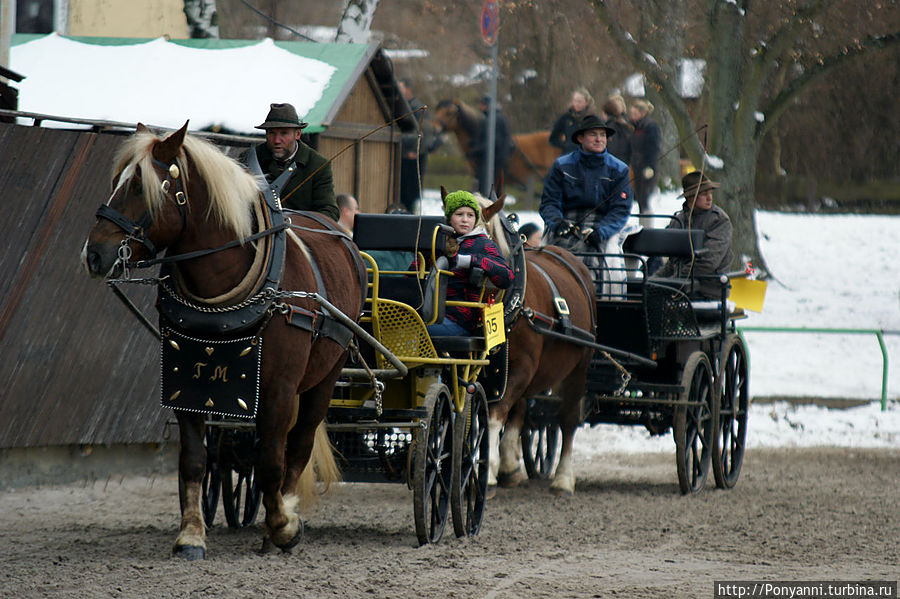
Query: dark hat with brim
x,y
282,116
695,183
591,121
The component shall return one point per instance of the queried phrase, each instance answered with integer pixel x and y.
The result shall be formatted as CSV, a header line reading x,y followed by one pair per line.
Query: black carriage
x,y
663,360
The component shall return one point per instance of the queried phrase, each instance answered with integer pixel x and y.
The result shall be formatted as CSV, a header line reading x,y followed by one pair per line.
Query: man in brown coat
x,y
698,212
299,175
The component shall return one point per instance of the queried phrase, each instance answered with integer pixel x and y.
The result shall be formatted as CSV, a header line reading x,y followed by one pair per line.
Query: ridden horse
x,y
537,361
183,195
532,157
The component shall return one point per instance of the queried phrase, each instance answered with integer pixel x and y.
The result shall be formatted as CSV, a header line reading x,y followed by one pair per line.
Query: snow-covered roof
x,y
225,83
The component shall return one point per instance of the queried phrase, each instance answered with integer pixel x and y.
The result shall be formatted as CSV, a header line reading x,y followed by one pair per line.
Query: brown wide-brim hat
x,y
282,115
695,183
591,121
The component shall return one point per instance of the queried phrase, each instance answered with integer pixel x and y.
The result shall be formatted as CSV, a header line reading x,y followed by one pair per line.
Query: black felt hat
x,y
282,115
591,121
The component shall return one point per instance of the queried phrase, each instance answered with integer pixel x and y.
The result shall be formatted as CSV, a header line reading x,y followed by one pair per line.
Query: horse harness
x,y
225,323
560,326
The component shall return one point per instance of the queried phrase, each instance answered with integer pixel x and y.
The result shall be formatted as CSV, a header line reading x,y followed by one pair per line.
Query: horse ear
x,y
168,149
142,128
498,184
443,194
495,207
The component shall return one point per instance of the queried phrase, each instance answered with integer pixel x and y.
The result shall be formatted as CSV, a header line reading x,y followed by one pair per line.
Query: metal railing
x,y
879,334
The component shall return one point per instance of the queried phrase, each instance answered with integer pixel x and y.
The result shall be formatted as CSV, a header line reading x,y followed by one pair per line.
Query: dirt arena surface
x,y
795,515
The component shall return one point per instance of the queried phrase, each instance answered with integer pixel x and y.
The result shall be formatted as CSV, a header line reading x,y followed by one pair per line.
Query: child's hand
x,y
451,248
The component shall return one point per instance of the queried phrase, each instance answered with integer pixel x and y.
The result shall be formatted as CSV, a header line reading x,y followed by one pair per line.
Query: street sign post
x,y
490,26
490,21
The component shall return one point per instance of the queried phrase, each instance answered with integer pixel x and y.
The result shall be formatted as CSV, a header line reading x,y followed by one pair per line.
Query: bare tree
x,y
741,101
356,21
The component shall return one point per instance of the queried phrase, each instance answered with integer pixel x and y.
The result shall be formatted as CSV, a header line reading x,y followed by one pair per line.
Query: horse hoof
x,y
510,479
491,492
286,547
267,547
189,552
560,492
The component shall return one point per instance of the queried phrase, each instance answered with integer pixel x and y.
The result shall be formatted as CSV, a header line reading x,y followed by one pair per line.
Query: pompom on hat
x,y
459,199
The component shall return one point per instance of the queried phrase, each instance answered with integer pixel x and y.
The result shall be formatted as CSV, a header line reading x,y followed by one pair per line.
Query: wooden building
x,y
76,368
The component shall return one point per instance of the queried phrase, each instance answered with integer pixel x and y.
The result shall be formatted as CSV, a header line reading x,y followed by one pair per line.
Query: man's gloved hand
x,y
593,238
564,227
648,172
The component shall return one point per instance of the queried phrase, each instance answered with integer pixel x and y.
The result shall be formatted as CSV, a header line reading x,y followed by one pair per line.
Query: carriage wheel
x,y
468,481
539,447
432,467
731,432
693,423
211,486
240,487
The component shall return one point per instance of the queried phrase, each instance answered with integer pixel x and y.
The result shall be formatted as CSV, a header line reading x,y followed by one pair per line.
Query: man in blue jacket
x,y
587,196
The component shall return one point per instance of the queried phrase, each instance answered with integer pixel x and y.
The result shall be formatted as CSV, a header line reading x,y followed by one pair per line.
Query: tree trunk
x,y
666,45
356,21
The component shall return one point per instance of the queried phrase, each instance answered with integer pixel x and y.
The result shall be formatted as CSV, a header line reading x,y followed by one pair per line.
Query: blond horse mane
x,y
232,190
493,226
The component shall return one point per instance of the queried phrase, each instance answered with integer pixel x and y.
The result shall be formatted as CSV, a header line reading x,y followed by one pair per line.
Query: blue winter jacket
x,y
579,181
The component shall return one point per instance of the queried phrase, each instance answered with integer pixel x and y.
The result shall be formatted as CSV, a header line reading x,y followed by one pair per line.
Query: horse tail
x,y
321,468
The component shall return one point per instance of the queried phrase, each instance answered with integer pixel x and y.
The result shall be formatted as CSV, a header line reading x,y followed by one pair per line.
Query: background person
x,y
619,145
580,105
532,234
698,212
349,208
503,147
645,142
414,151
286,162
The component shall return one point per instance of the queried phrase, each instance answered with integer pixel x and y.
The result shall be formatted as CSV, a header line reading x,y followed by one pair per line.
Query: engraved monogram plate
x,y
211,377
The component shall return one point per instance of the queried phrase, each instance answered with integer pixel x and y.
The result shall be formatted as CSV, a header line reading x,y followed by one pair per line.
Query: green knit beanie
x,y
456,200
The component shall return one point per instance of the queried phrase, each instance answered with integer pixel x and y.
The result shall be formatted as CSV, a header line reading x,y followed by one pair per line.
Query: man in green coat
x,y
287,163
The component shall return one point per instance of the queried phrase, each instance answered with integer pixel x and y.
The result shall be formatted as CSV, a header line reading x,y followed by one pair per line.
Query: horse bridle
x,y
137,230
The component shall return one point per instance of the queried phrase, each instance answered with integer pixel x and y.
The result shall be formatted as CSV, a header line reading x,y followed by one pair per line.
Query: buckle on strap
x,y
562,307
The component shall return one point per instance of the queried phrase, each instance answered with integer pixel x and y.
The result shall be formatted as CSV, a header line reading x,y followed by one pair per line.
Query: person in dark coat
x,y
414,150
476,250
561,133
587,189
619,145
698,212
503,147
644,152
287,162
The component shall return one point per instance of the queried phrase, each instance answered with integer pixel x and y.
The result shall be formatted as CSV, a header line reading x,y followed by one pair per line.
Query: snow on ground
x,y
831,271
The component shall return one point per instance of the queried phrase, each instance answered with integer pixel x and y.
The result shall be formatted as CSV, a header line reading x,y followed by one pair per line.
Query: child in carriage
x,y
475,252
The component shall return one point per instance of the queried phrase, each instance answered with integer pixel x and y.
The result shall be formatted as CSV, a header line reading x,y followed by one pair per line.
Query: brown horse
x,y
538,361
531,159
183,195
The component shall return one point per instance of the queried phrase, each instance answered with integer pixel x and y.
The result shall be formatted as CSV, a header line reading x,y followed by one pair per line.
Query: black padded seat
x,y
665,242
398,232
458,344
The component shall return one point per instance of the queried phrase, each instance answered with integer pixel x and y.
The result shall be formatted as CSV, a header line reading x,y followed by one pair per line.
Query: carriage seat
x,y
408,232
665,242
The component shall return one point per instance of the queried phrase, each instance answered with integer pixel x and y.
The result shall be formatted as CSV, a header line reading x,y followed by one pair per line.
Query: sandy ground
x,y
795,515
